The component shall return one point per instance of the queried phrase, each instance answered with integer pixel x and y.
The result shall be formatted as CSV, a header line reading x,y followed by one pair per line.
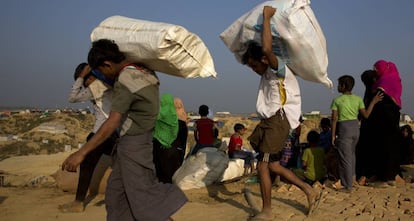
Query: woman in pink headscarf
x,y
384,121
388,80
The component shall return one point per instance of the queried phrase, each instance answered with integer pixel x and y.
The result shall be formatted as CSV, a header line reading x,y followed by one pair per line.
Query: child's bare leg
x,y
246,171
311,194
265,189
252,167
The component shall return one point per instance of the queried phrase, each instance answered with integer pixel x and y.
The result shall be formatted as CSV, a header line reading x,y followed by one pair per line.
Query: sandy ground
x,y
39,198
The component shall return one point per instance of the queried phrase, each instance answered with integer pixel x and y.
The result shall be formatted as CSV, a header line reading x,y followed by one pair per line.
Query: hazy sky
x,y
43,41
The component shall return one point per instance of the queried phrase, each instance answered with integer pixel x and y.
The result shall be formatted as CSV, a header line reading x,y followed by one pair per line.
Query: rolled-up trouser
x,y
247,156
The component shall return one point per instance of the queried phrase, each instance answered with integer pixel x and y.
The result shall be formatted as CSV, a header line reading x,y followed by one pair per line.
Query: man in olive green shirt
x,y
133,191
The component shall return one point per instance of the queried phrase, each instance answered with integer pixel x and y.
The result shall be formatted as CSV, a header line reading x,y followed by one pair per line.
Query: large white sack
x,y
234,170
202,169
297,37
162,47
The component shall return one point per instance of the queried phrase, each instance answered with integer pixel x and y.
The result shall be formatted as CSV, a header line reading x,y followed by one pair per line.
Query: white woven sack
x,y
162,47
297,38
202,169
234,170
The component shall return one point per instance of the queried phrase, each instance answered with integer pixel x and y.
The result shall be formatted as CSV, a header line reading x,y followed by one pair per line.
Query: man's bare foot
x,y
314,200
72,207
263,216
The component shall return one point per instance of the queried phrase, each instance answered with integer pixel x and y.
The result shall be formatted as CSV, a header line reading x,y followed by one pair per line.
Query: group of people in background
x,y
364,145
147,133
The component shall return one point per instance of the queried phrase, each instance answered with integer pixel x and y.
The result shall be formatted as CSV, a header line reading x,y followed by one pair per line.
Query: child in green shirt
x,y
345,127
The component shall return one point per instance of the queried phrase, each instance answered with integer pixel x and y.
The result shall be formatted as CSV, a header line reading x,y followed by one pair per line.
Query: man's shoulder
x,y
136,79
136,73
356,96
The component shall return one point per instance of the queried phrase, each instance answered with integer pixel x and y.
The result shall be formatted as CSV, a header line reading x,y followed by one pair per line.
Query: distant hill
x,y
24,134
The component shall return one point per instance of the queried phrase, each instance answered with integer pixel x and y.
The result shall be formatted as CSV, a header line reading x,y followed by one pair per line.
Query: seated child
x,y
313,160
235,148
204,130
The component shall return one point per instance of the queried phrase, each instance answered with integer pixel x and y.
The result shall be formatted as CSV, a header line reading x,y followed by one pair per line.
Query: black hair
x,y
409,130
325,121
104,50
254,51
313,136
203,110
79,69
368,78
237,127
347,81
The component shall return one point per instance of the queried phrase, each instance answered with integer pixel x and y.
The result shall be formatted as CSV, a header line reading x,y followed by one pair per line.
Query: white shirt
x,y
98,94
268,98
